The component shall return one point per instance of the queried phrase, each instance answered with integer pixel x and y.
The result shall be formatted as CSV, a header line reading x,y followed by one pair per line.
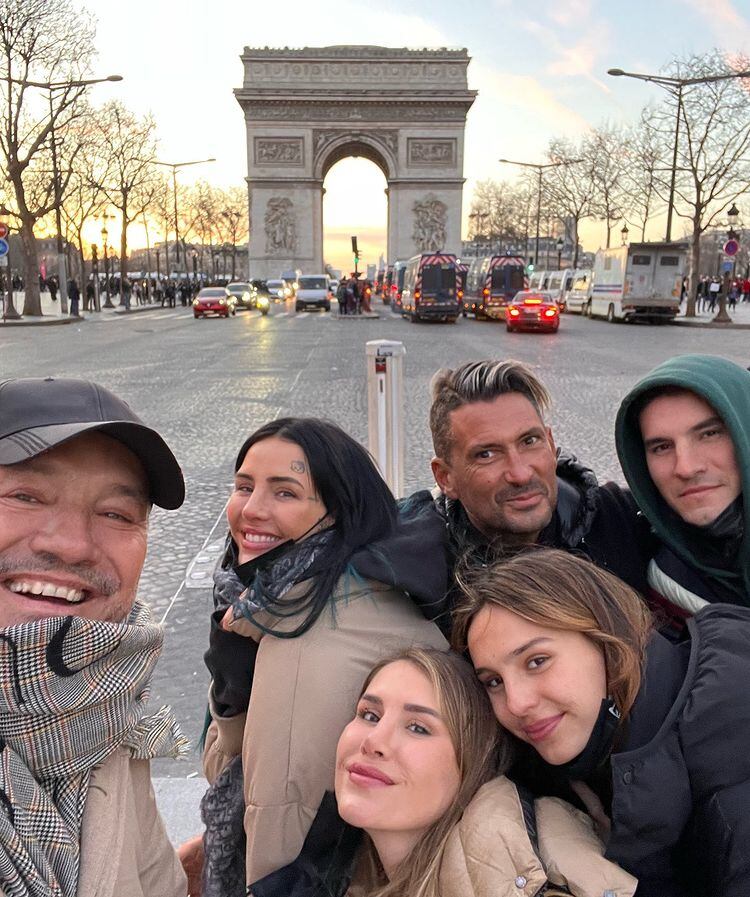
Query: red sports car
x,y
532,310
214,301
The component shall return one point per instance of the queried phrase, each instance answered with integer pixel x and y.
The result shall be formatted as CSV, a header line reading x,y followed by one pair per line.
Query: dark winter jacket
x,y
601,522
680,779
693,565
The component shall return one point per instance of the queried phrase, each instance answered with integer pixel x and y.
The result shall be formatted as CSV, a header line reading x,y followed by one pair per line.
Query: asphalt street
x,y
206,384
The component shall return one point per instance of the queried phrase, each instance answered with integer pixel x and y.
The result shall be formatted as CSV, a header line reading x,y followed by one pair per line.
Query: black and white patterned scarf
x,y
72,691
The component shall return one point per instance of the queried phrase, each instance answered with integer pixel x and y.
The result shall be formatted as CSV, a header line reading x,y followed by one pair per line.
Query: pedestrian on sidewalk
x,y
90,297
74,294
52,287
714,289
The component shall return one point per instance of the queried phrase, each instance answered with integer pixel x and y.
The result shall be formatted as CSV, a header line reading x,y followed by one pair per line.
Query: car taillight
x,y
550,312
514,312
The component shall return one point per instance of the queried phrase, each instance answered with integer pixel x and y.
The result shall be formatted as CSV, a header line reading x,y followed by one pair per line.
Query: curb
x,y
38,321
712,324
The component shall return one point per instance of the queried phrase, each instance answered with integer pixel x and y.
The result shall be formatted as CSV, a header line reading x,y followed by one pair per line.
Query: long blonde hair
x,y
480,755
556,589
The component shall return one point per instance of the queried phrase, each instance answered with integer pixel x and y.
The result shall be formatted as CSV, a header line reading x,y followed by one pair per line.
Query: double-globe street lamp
x,y
675,86
539,168
174,166
52,86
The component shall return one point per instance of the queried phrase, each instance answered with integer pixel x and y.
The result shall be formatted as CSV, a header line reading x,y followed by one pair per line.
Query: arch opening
x,y
355,202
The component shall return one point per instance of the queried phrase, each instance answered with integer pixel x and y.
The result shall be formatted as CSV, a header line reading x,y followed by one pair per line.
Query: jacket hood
x,y
726,387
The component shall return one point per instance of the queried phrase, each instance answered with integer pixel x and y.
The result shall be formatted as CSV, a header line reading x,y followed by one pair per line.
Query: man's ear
x,y
443,477
551,440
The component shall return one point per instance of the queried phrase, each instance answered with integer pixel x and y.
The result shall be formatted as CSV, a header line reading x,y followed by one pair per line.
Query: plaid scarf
x,y
72,691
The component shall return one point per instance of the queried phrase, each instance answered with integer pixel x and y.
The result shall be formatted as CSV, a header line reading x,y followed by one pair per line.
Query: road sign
x,y
3,230
731,247
4,247
726,266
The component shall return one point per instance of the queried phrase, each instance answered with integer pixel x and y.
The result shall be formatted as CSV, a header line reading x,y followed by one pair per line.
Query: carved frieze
x,y
324,137
430,215
274,110
430,153
279,150
280,226
344,72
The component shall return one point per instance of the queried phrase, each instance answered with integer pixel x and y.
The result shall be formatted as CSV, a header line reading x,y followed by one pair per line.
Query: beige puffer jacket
x,y
125,851
304,693
489,852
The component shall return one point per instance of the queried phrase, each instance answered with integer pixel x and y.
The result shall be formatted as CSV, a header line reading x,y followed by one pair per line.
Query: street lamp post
x,y
174,166
624,233
560,244
194,256
722,316
107,302
539,168
675,86
9,310
57,186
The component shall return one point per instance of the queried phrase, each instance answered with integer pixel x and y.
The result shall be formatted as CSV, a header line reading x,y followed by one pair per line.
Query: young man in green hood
x,y
683,438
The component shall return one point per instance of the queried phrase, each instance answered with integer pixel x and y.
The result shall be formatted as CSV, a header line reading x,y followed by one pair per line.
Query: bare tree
x,y
603,152
713,147
126,177
234,217
645,173
46,43
83,198
500,214
569,185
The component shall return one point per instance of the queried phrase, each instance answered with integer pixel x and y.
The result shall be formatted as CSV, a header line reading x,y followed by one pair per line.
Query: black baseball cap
x,y
37,414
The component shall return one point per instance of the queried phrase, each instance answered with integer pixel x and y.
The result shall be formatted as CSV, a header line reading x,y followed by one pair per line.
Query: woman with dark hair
x,y
650,736
319,581
418,770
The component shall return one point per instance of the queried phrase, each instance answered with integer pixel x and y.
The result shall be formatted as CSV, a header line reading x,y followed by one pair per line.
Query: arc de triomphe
x,y
306,109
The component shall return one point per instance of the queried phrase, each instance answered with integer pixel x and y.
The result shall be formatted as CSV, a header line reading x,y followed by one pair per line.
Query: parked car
x,y
214,301
244,293
313,291
532,310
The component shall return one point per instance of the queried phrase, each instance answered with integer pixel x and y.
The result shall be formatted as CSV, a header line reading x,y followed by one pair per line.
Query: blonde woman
x,y
416,770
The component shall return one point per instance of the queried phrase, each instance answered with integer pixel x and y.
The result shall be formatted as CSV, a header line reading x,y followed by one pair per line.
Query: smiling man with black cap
x,y
79,472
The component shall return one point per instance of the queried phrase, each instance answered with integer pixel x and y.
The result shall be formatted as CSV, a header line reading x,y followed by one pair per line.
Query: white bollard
x,y
385,409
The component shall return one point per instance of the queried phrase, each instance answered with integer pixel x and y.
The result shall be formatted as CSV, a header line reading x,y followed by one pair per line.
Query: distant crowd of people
x,y
709,291
353,295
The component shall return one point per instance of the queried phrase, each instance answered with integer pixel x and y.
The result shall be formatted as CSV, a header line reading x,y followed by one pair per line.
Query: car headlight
x,y
196,303
222,301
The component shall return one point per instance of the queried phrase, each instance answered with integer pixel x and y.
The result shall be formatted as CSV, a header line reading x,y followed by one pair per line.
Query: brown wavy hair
x,y
562,591
481,754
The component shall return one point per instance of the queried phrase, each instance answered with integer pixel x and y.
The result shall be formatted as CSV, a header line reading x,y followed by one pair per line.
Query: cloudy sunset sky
x,y
540,69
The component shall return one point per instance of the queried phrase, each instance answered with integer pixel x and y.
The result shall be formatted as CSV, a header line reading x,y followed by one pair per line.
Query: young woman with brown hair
x,y
650,736
417,770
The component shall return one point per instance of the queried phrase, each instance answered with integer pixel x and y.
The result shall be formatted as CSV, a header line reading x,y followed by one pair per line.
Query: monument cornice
x,y
361,52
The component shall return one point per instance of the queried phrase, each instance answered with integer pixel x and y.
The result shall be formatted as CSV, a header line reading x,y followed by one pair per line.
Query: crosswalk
x,y
173,314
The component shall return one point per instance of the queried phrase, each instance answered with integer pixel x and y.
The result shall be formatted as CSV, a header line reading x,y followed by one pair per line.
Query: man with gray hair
x,y
79,473
504,484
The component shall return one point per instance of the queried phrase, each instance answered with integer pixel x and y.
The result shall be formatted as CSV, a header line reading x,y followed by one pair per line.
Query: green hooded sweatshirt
x,y
726,387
